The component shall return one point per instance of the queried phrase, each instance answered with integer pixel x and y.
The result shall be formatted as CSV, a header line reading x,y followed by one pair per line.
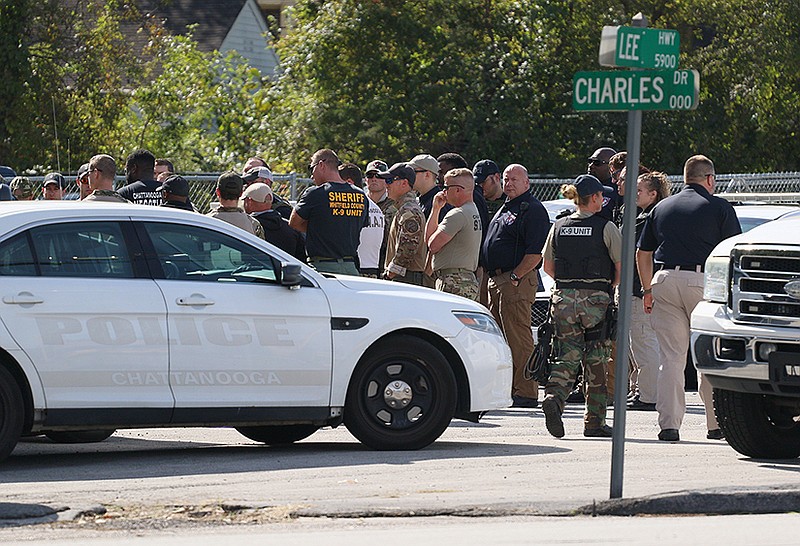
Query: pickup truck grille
x,y
758,277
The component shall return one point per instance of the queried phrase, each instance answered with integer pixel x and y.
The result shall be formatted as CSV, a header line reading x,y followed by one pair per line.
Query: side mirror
x,y
291,275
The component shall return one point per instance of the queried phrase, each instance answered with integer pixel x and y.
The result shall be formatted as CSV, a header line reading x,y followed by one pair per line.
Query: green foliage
x,y
202,109
492,78
390,79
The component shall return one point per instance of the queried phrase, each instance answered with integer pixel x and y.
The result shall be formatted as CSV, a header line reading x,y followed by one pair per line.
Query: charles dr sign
x,y
642,48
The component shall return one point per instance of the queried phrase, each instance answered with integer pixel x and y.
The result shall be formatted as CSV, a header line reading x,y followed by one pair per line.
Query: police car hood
x,y
410,294
780,231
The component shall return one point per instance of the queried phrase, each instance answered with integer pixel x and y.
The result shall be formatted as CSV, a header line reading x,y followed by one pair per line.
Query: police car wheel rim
x,y
398,394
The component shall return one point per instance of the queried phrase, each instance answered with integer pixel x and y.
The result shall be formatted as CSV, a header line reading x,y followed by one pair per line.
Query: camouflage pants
x,y
462,283
574,311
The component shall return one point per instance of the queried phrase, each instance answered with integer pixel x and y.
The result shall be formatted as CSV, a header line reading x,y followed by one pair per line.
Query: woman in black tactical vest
x,y
582,254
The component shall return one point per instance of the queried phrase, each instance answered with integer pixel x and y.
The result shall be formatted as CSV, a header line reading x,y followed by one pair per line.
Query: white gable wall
x,y
247,38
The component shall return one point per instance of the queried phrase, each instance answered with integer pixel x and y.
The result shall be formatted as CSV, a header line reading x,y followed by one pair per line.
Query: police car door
x,y
90,318
237,337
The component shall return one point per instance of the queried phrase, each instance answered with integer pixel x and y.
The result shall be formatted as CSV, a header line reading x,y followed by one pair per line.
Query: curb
x,y
718,501
16,514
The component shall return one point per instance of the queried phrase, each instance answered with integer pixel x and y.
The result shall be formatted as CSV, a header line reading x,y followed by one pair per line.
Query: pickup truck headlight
x,y
717,283
479,322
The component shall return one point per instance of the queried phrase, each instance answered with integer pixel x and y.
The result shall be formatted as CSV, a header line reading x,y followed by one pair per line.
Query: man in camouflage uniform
x,y
455,242
102,171
582,253
229,189
406,249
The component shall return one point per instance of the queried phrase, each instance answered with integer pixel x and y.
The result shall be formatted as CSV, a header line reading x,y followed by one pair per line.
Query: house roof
x,y
213,17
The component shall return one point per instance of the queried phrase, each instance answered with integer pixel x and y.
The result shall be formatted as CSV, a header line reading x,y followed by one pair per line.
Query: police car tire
x,y
278,434
413,362
11,413
78,436
755,427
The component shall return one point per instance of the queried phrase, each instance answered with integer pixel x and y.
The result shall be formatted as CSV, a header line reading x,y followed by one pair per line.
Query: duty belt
x,y
696,268
499,271
439,273
602,285
324,259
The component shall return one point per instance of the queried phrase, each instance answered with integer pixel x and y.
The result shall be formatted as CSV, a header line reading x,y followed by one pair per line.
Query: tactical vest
x,y
581,253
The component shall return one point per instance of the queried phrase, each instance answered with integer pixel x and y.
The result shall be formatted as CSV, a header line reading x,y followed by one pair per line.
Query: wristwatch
x,y
514,279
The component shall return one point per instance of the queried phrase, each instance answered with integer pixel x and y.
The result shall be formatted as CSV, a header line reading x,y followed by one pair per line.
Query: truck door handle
x,y
194,299
23,298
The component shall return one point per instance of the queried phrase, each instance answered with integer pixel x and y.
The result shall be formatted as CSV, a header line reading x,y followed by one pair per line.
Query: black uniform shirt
x,y
683,229
336,212
520,227
426,201
611,203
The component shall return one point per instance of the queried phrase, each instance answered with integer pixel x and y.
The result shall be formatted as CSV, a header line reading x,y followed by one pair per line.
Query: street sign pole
x,y
625,290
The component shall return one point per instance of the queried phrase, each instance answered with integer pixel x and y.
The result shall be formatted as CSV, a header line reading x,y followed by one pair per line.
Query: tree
x,y
205,110
493,78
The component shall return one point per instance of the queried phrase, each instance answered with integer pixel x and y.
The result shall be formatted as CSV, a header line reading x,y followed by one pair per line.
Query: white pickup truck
x,y
746,338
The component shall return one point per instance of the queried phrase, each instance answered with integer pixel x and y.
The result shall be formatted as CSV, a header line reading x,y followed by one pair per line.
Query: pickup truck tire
x,y
11,413
402,395
78,436
278,434
756,427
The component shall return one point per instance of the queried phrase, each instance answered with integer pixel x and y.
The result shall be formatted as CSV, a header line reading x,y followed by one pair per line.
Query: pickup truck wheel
x,y
402,395
757,427
278,434
11,413
78,436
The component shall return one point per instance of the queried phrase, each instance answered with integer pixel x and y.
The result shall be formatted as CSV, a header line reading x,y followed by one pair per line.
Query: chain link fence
x,y
767,187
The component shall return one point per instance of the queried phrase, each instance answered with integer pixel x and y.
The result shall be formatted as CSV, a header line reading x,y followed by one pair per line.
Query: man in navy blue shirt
x,y
511,252
679,235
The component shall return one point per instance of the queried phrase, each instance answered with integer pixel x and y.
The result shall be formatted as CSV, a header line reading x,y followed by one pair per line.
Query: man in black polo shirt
x,y
511,253
679,234
331,214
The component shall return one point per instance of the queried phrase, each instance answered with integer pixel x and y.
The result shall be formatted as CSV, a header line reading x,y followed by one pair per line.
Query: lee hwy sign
x,y
639,47
636,90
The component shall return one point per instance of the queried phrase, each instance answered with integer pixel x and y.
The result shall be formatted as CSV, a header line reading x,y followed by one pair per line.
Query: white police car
x,y
122,316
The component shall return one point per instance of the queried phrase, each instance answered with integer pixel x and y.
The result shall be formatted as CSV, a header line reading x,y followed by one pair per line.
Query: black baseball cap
x,y
230,183
82,171
483,169
586,184
176,185
55,178
400,170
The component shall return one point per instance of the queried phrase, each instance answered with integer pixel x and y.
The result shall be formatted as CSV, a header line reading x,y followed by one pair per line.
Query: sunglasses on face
x,y
598,162
446,187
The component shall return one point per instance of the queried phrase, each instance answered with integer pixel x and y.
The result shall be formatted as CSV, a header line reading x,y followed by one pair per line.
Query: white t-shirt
x,y
371,239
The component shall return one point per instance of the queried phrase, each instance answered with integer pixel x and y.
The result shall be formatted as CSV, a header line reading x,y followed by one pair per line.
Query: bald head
x,y
515,180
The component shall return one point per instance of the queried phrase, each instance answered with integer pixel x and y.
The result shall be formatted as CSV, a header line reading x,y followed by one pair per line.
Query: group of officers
x,y
674,237
480,233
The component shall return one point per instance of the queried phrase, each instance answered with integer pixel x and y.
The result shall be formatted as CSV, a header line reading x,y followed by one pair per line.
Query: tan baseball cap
x,y
258,192
426,162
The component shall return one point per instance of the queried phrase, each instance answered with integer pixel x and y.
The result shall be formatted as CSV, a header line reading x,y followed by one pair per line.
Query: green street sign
x,y
640,47
636,90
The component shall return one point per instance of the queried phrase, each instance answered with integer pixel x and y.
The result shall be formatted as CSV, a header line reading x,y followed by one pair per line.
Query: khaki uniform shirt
x,y
463,224
240,219
105,195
